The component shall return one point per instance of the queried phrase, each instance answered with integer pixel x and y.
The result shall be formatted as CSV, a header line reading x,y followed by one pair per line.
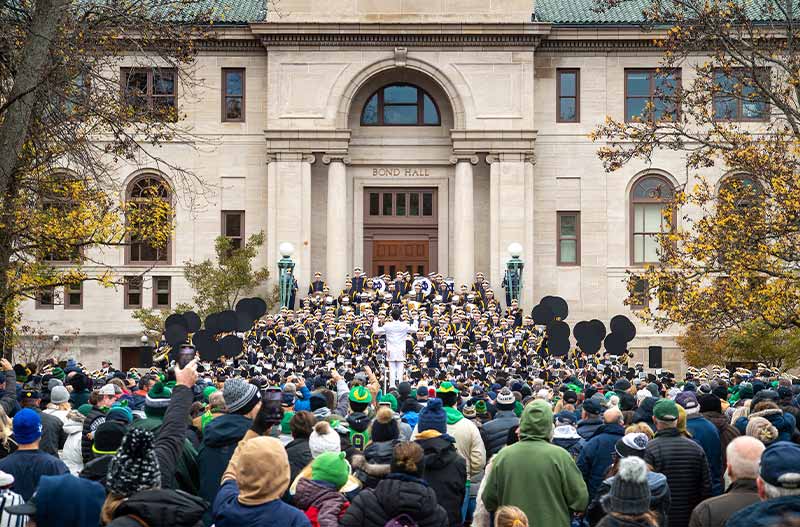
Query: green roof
x,y
225,12
583,12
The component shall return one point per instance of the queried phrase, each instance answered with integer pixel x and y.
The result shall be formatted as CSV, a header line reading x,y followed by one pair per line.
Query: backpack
x,y
404,520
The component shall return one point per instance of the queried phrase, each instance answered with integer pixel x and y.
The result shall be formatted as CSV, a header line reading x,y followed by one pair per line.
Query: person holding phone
x,y
396,332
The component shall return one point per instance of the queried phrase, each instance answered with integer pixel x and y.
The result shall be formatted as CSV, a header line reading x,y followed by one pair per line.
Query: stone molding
x,y
327,159
525,157
462,156
447,40
286,141
494,141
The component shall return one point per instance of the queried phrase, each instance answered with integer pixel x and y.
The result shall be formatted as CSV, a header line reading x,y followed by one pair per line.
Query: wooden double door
x,y
391,256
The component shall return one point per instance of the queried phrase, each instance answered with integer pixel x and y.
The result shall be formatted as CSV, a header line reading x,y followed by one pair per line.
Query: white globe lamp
x,y
286,249
515,249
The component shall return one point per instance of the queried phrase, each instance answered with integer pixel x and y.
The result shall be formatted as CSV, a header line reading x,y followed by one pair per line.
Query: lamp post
x,y
512,282
286,268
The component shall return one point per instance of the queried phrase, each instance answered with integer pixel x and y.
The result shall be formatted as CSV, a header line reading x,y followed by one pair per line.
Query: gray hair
x,y
744,456
774,492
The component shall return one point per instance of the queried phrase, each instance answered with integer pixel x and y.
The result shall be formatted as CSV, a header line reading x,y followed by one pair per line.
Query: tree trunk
x,y
33,68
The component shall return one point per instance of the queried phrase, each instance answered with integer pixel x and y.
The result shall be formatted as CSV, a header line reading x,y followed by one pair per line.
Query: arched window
x,y
742,189
649,198
400,105
143,190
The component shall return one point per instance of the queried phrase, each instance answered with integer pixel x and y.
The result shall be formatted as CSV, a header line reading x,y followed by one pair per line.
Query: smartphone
x,y
186,354
271,394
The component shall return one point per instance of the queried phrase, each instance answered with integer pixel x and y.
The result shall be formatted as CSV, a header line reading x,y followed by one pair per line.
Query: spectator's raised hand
x,y
186,376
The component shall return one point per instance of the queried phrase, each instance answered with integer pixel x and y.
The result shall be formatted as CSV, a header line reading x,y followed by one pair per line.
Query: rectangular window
x,y
736,95
46,298
651,94
133,292
73,296
400,204
233,81
162,292
233,227
648,224
639,298
568,95
427,204
569,238
374,204
387,204
151,91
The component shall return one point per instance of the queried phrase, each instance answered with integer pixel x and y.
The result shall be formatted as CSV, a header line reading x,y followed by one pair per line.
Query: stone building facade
x,y
395,134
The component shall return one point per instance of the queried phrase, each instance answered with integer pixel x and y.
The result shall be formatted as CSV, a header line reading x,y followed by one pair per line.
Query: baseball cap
x,y
688,400
422,391
780,465
107,389
27,426
666,410
592,406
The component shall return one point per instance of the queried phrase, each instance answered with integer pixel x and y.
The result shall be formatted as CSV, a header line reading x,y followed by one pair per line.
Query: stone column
x,y
336,240
289,211
463,253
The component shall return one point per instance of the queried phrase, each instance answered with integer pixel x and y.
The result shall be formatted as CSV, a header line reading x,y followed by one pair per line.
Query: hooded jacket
x,y
684,464
160,508
568,438
219,442
396,495
595,458
468,442
445,472
784,422
229,512
359,433
716,511
659,498
495,432
727,432
538,477
320,501
374,464
587,427
71,454
299,456
766,513
705,434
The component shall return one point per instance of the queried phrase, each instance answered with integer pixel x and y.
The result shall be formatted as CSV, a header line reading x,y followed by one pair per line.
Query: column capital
x,y
461,157
306,157
524,157
328,158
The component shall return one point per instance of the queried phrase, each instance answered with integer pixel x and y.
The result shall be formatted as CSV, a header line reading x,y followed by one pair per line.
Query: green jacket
x,y
538,477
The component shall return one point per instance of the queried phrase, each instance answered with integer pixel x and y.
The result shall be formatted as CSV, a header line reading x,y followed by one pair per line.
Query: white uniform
x,y
396,332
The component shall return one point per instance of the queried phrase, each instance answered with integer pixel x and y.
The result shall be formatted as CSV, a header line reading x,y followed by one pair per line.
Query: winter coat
x,y
538,477
374,464
159,508
684,464
397,494
299,456
587,427
220,439
715,512
595,458
93,420
644,413
322,503
228,512
78,399
727,432
568,438
784,422
445,472
495,432
71,453
659,498
8,397
97,469
705,434
468,441
53,436
766,513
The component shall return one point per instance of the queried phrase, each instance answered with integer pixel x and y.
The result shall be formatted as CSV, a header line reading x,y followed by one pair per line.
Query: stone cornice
x,y
334,143
494,141
404,40
597,45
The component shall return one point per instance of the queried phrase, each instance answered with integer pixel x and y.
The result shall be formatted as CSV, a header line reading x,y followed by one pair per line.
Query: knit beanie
x,y
240,396
710,403
59,395
261,467
285,428
384,427
391,399
108,438
207,391
120,413
762,429
630,493
432,417
330,467
469,412
52,383
157,400
58,373
633,444
505,400
134,467
323,439
359,394
84,409
480,408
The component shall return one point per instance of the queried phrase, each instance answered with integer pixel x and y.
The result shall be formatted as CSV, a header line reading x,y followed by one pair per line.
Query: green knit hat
x,y
285,428
157,400
58,373
331,467
480,408
208,391
447,387
84,409
391,399
359,394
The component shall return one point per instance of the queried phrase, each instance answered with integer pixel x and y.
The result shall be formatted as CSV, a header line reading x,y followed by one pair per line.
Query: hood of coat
x,y
402,494
225,430
313,493
379,451
439,452
453,415
74,423
164,508
358,421
376,470
536,422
